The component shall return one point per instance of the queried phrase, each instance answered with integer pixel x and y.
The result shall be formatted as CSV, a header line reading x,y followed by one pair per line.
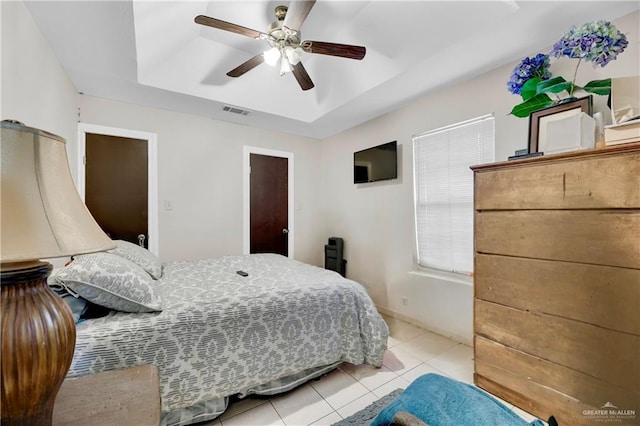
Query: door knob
x,y
285,231
141,239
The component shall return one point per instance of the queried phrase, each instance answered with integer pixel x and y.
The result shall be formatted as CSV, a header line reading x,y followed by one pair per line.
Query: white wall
x,y
200,172
377,219
35,88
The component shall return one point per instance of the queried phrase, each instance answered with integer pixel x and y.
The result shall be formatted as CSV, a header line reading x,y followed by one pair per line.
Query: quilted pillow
x,y
110,281
140,256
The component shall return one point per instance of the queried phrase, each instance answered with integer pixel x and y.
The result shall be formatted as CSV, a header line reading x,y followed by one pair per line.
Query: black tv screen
x,y
376,163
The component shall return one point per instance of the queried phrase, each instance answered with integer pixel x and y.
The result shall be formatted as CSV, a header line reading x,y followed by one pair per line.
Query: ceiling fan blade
x,y
334,49
300,73
228,26
246,66
297,13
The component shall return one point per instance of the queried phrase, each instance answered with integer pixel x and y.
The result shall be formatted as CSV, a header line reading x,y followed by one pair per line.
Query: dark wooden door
x,y
269,217
116,185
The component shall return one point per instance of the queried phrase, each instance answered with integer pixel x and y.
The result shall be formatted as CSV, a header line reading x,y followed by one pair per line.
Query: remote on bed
x,y
242,273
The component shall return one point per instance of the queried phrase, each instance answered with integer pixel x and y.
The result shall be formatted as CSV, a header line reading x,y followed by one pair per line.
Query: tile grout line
x,y
277,412
324,399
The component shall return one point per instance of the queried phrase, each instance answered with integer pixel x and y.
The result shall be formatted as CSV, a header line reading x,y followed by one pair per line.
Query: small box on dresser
x,y
557,284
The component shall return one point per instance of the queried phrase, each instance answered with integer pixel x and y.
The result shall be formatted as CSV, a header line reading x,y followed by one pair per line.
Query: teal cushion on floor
x,y
440,401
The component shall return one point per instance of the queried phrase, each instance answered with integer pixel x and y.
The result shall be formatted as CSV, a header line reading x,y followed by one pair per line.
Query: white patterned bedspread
x,y
221,334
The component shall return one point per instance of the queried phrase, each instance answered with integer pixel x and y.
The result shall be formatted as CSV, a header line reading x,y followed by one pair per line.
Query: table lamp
x,y
42,216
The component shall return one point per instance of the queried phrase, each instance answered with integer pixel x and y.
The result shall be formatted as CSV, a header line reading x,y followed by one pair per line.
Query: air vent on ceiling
x,y
236,110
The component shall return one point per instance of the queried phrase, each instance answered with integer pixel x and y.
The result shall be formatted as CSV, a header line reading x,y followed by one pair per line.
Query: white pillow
x,y
140,256
111,281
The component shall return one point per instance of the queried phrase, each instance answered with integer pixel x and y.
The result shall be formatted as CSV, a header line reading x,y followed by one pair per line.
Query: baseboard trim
x,y
394,314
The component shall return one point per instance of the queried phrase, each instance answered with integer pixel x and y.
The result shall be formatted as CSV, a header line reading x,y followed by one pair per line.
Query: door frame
x,y
246,204
152,171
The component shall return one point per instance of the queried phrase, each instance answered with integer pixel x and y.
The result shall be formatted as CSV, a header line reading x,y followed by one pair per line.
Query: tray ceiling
x,y
152,53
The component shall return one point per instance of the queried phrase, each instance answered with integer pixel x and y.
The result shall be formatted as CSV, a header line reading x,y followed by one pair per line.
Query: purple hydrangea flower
x,y
538,66
599,42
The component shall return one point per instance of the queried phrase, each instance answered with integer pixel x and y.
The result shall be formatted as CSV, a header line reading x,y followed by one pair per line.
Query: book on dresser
x,y
625,111
557,284
626,132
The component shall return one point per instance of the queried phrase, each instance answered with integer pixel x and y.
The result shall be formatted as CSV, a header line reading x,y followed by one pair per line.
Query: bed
x,y
214,334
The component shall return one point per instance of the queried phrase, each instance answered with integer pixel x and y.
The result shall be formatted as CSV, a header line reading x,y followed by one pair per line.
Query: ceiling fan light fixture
x,y
294,54
271,56
285,42
285,66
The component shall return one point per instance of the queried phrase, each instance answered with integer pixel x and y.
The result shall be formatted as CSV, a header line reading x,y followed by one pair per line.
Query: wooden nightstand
x,y
130,396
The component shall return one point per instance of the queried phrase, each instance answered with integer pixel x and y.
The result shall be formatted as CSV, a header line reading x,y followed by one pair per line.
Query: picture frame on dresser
x,y
558,127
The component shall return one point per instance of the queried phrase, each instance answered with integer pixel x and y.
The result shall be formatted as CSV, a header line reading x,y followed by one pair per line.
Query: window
x,y
443,191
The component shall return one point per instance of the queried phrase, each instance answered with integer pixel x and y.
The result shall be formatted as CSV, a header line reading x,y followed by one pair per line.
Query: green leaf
x,y
529,90
554,85
536,103
599,87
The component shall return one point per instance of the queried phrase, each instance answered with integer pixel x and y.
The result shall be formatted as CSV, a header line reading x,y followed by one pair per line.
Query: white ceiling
x,y
152,53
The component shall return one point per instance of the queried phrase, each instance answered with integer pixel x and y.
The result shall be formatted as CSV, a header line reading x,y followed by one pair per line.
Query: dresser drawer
x,y
607,355
495,360
575,183
600,237
546,389
600,295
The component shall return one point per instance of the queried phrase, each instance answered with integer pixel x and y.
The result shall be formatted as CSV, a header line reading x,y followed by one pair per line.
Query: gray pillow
x,y
140,256
111,281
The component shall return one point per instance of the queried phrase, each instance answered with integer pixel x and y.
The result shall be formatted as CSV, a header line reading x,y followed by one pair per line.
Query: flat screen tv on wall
x,y
376,163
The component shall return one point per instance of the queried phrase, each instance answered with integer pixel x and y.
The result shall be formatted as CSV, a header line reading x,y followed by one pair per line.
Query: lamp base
x,y
38,339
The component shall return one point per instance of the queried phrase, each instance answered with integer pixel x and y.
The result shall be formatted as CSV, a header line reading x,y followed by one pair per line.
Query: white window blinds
x,y
443,185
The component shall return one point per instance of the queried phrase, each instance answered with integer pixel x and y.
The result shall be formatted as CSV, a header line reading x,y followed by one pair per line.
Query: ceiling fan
x,y
283,36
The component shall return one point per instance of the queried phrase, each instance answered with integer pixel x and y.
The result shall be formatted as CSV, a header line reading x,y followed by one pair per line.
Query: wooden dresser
x,y
557,284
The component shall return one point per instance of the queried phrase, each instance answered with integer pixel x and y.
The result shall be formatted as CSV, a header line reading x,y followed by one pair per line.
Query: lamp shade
x,y
41,212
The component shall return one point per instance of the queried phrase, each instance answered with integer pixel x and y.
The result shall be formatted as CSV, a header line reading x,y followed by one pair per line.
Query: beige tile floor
x,y
412,352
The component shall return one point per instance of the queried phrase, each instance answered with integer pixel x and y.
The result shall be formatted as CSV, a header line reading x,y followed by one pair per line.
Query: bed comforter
x,y
222,334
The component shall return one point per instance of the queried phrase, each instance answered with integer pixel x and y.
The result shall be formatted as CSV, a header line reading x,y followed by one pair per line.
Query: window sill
x,y
444,276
